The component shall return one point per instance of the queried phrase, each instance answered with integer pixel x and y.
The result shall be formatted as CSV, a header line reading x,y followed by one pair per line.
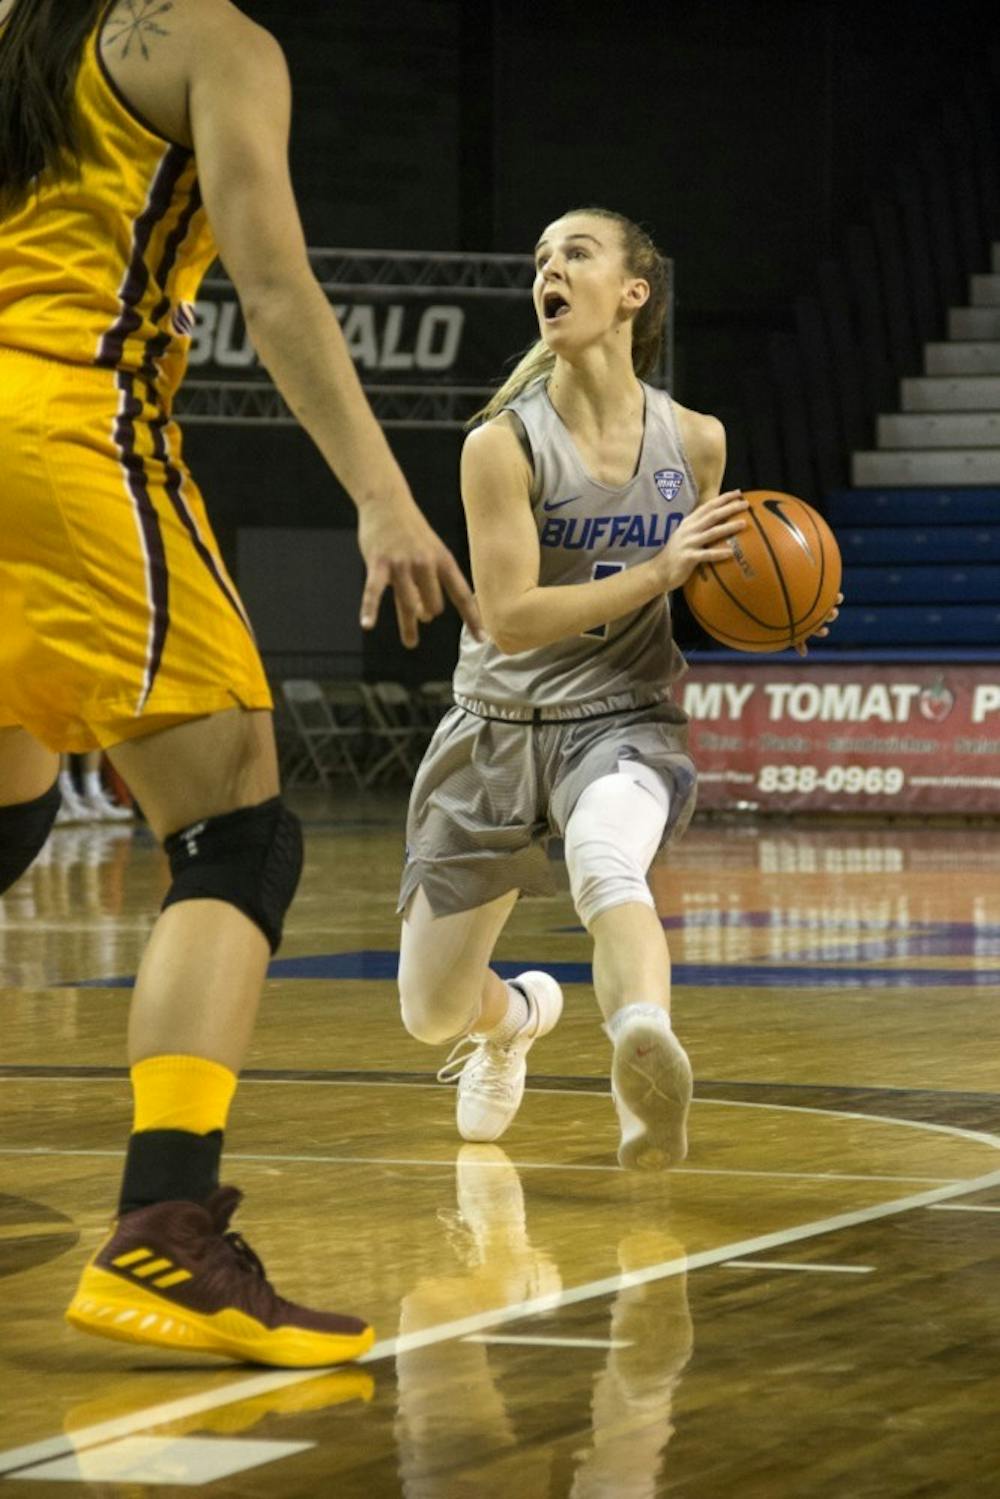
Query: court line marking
x,y
448,1165
485,1337
100,921
247,1080
954,1130
964,1207
192,1405
289,1082
957,1131
793,1265
133,1463
695,924
49,1229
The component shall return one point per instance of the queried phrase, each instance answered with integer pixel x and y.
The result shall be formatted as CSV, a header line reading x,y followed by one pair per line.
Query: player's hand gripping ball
x,y
782,581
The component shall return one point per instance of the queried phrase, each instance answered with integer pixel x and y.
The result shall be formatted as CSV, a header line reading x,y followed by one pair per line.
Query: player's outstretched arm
x,y
240,109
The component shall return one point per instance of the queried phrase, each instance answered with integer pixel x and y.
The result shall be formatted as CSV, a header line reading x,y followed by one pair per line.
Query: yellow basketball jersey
x,y
103,267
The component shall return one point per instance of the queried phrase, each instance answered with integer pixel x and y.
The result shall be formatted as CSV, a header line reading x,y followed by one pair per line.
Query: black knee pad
x,y
251,858
24,828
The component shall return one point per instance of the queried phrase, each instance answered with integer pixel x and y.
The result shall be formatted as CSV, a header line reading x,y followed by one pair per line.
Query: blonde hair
x,y
641,258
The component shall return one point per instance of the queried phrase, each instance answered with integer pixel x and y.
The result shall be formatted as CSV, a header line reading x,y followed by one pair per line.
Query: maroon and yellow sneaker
x,y
172,1276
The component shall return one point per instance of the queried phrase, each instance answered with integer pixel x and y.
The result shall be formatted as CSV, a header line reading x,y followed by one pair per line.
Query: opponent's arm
x,y
518,612
239,108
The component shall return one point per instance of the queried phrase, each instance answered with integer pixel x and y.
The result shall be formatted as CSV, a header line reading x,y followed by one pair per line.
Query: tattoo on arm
x,y
136,23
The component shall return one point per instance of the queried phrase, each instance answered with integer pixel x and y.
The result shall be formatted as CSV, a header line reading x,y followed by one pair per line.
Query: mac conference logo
x,y
668,482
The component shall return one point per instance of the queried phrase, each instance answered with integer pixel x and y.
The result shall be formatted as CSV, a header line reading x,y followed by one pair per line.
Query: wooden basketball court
x,y
807,1308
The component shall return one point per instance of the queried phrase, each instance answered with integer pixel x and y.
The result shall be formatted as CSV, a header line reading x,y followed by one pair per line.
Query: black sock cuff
x,y
170,1165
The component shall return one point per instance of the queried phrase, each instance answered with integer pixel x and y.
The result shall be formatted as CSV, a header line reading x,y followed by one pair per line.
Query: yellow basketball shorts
x,y
117,614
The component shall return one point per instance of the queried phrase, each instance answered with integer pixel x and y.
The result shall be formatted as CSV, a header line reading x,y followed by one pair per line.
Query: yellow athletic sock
x,y
179,1092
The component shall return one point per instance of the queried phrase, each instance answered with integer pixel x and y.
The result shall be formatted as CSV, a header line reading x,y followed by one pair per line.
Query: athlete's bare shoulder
x,y
136,27
500,440
699,431
703,438
151,30
495,460
153,48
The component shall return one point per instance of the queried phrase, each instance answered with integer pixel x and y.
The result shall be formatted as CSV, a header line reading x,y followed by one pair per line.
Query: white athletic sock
x,y
92,783
628,1013
515,1018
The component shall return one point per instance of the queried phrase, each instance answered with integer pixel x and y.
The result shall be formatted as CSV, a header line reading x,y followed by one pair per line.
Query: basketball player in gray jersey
x,y
589,496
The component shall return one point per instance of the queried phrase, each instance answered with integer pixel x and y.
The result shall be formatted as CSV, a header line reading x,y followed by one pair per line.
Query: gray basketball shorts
x,y
490,796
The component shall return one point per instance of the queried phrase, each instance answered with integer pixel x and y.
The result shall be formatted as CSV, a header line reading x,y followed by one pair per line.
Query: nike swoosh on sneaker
x,y
558,504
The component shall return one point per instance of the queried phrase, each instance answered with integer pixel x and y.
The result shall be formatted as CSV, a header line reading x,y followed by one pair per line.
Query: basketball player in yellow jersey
x,y
136,137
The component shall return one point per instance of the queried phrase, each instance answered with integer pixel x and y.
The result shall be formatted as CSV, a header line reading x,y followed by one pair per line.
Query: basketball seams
x,y
736,641
821,548
781,548
761,532
826,544
765,624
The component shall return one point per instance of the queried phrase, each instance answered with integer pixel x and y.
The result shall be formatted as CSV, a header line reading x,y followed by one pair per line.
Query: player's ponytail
x,y
40,47
536,364
642,258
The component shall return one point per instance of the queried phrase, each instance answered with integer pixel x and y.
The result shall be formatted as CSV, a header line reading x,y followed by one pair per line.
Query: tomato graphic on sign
x,y
936,701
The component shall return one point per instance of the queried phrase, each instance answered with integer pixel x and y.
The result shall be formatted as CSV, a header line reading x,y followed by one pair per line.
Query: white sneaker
x,y
491,1075
72,808
651,1085
100,808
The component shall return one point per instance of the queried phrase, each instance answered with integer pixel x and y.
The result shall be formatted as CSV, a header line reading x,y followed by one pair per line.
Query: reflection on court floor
x,y
805,1307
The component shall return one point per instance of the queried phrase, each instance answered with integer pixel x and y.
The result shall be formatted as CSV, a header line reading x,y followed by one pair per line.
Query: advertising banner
x,y
431,334
851,738
411,336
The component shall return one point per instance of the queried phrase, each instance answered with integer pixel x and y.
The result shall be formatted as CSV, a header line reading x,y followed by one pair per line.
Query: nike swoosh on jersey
x,y
558,504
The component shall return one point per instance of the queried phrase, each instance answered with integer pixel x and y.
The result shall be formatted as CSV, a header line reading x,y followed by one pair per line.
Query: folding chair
x,y
433,701
330,722
395,729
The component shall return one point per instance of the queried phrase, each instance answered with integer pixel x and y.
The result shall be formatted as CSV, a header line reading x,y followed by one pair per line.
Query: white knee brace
x,y
611,837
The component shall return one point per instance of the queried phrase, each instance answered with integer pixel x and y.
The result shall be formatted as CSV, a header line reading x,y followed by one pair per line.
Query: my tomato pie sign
x,y
864,738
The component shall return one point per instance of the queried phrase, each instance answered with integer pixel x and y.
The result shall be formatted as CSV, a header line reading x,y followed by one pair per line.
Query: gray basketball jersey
x,y
586,531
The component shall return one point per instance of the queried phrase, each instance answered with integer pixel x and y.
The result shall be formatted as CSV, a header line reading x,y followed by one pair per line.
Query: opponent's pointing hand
x,y
403,552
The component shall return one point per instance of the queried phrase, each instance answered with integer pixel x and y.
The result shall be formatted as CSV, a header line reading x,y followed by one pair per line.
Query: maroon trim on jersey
x,y
174,482
154,555
136,279
159,345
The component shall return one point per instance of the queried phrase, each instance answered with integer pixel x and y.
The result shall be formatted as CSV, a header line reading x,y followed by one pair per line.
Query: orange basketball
x,y
781,583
